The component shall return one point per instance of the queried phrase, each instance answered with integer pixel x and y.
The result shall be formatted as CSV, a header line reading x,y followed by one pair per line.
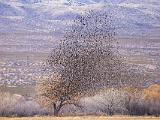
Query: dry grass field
x,y
83,118
152,93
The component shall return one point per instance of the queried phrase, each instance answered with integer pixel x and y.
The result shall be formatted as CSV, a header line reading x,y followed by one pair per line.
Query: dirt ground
x,y
83,118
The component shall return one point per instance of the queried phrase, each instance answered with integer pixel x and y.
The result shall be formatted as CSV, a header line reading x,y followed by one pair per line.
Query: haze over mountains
x,y
133,17
35,25
30,28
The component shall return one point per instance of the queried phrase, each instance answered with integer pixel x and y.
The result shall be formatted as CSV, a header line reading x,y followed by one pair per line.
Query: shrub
x,y
28,108
110,101
17,105
7,102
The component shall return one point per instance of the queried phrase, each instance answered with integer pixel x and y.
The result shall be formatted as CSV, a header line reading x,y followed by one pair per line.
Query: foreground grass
x,y
83,118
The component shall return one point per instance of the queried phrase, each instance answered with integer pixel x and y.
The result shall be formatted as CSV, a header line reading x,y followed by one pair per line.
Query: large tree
x,y
85,61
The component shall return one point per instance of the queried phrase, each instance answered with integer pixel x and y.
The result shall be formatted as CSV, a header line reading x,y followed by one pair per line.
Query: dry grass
x,y
153,92
83,118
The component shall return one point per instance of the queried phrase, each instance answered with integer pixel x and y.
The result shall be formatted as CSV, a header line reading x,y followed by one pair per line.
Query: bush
x,y
16,105
130,101
110,101
144,102
28,108
7,102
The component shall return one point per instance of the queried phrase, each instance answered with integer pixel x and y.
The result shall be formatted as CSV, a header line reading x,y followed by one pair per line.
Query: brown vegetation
x,y
152,93
16,105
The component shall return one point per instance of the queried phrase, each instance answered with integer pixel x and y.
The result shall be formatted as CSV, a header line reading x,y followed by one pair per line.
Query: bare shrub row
x,y
122,102
107,102
16,105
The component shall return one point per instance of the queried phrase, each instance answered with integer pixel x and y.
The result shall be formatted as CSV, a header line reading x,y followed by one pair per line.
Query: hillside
x,y
132,17
31,28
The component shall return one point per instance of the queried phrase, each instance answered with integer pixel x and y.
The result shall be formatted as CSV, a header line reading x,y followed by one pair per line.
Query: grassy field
x,y
83,118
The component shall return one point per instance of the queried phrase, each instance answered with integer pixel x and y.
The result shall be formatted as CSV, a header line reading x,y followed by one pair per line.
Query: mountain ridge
x,y
43,15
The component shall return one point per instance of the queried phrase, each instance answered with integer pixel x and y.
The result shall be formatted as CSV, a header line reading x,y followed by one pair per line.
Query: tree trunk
x,y
56,110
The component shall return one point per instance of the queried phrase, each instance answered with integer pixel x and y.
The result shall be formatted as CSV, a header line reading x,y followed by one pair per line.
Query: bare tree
x,y
111,101
54,93
85,61
7,103
87,54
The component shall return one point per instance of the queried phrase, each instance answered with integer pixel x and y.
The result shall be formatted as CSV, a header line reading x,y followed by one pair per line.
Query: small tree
x,y
54,93
110,101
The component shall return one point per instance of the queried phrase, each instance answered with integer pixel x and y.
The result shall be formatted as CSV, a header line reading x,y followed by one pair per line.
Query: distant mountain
x,y
31,28
132,16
